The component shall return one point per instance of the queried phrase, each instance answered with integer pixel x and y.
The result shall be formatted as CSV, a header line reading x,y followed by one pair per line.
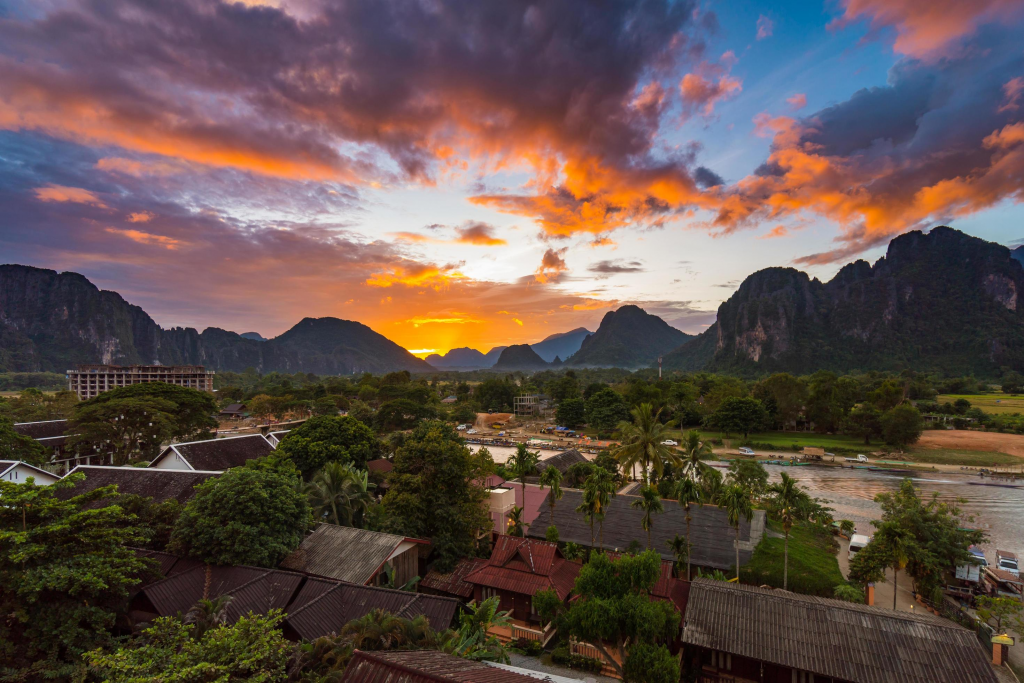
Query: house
x,y
712,536
453,583
448,400
234,411
745,633
517,570
155,484
275,437
356,555
50,434
18,472
430,666
313,606
213,454
562,461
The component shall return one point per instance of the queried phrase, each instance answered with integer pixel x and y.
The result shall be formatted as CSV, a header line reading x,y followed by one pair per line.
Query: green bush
x,y
561,656
529,647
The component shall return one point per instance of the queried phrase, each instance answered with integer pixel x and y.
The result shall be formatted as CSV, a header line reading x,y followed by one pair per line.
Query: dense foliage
x,y
325,439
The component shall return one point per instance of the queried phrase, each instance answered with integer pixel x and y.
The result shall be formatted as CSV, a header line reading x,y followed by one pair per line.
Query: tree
x,y
495,394
435,492
606,409
1012,383
598,491
552,478
66,569
680,547
339,494
864,422
14,446
902,426
642,443
192,416
244,516
788,393
261,406
613,605
848,593
516,525
889,394
400,413
320,440
473,639
847,527
1002,613
571,413
750,475
695,451
689,492
743,415
127,428
895,543
171,651
736,501
650,502
464,414
325,405
522,464
786,497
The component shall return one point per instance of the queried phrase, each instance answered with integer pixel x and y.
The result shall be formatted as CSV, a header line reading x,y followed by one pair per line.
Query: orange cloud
x,y
414,276
701,93
75,195
777,231
136,168
140,217
551,265
147,238
517,321
798,101
1013,90
480,234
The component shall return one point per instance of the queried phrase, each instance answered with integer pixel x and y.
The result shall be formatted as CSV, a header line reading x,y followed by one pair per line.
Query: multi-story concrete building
x,y
91,380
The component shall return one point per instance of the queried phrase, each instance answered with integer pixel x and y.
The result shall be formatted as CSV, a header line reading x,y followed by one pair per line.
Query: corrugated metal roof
x,y
712,536
221,454
851,642
251,588
453,583
380,465
526,566
45,429
562,461
160,485
425,666
343,553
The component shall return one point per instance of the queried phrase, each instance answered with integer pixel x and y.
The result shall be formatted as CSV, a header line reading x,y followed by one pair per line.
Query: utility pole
x,y
659,367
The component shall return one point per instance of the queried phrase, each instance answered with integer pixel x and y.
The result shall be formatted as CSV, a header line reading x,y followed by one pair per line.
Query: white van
x,y
857,544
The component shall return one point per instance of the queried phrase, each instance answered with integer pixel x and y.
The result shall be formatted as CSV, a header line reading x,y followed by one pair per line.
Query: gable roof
x,y
712,536
847,641
252,589
160,485
380,465
454,582
562,461
8,465
219,454
344,553
46,429
233,408
525,565
427,666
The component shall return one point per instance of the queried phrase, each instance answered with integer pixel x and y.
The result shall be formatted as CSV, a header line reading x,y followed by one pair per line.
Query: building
x,y
275,437
527,404
89,381
743,634
213,454
518,569
453,583
234,411
432,666
356,555
562,461
18,472
712,536
50,434
156,484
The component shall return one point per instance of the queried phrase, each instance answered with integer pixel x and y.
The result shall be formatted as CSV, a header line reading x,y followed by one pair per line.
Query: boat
x,y
1002,486
890,470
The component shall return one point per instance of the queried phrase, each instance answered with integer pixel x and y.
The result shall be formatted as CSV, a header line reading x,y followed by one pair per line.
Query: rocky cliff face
x,y
53,321
629,337
938,301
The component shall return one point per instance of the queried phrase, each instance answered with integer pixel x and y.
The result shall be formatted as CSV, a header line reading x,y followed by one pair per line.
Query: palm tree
x,y
601,489
689,492
516,525
650,502
208,614
681,549
736,501
896,543
522,464
712,484
339,494
695,452
786,499
552,478
375,630
589,508
642,442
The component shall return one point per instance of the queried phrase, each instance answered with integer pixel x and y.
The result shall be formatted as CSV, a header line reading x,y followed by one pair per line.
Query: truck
x,y
857,543
973,570
1007,561
860,458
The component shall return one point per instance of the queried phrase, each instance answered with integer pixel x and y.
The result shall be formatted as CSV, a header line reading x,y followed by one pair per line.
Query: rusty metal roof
x,y
251,588
526,566
846,641
562,461
380,465
426,666
454,583
160,485
343,553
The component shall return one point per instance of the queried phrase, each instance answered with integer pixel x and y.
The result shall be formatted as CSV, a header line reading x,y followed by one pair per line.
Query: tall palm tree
x,y
642,442
695,451
650,502
552,478
589,508
208,614
339,494
516,525
522,464
712,484
680,548
786,498
736,501
689,492
601,488
896,544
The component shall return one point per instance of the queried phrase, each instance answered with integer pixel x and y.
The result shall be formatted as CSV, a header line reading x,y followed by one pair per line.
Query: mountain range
x,y
629,337
938,301
561,346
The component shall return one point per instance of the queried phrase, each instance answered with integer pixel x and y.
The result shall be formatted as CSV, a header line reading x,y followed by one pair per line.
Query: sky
x,y
462,173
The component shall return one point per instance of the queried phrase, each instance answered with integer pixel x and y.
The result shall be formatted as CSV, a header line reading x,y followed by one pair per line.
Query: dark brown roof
x,y
425,666
323,607
233,408
41,430
220,454
843,640
380,465
344,553
562,461
712,536
160,485
453,583
526,566
252,589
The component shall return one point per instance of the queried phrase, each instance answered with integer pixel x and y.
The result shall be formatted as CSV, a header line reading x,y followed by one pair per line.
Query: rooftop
x,y
160,485
219,454
562,461
343,553
428,666
843,640
46,429
454,582
526,566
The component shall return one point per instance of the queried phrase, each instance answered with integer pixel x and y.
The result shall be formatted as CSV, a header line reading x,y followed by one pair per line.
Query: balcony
x,y
520,629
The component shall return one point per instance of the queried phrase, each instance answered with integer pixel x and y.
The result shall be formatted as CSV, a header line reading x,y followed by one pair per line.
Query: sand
x,y
964,440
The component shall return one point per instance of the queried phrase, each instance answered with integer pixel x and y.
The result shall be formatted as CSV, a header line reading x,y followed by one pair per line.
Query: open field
x,y
989,403
946,456
966,440
786,440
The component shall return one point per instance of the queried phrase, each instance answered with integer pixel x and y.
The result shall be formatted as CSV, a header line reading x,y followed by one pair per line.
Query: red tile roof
x,y
526,566
379,465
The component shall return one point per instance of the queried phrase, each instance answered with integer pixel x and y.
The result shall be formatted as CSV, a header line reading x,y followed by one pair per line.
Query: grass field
x,y
948,456
813,567
990,403
786,440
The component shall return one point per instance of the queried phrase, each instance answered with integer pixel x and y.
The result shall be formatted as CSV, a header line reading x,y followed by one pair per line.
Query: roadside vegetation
x,y
813,567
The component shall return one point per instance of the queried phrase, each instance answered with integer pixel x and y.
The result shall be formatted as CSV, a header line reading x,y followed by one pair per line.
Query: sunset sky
x,y
474,173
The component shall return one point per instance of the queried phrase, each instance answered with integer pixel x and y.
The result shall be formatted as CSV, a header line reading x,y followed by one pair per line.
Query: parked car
x,y
669,442
857,544
471,431
1007,561
746,451
860,458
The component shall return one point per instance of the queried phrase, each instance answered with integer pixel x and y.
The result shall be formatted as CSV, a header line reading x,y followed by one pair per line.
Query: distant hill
x,y
52,321
561,345
520,357
942,301
255,336
1018,254
628,338
463,358
491,357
